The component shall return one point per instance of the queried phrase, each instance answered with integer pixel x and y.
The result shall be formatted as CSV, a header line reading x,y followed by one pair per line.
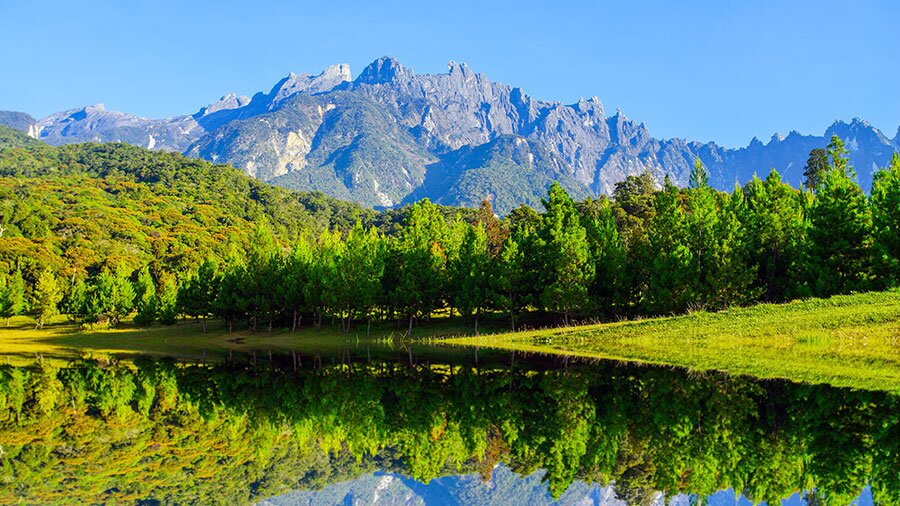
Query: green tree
x,y
840,237
566,255
196,295
775,231
816,167
469,272
145,298
885,201
361,269
609,290
47,295
12,296
422,262
670,276
111,295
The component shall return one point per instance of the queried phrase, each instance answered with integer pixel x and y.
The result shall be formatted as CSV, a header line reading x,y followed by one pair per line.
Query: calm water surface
x,y
372,424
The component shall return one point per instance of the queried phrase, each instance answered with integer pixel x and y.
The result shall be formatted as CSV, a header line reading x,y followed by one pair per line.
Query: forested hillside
x,y
102,231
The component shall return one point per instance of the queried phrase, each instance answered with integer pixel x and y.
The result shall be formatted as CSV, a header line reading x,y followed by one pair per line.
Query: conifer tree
x,y
469,271
144,298
566,255
886,218
840,237
12,296
47,295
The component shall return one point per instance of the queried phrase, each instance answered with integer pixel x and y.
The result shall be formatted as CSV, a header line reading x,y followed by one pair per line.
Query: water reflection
x,y
242,431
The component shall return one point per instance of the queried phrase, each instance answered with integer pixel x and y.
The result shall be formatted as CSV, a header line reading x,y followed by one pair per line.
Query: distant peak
x,y
294,83
101,107
340,71
776,137
454,67
383,70
229,101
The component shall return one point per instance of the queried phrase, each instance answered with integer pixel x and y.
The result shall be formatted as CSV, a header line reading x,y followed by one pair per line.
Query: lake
x,y
369,422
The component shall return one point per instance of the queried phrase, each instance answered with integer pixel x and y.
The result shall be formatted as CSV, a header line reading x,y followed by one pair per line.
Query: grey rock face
x,y
391,135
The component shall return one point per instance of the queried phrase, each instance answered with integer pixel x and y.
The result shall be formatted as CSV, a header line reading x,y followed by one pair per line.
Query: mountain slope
x,y
391,135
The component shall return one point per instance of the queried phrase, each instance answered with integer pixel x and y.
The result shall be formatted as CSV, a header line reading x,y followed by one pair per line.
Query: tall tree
x,y
566,255
840,237
671,258
886,217
47,295
111,294
12,295
609,289
145,297
469,271
422,256
361,269
816,167
196,295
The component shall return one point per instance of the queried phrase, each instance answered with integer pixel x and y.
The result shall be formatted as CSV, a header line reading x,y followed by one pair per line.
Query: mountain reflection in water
x,y
500,431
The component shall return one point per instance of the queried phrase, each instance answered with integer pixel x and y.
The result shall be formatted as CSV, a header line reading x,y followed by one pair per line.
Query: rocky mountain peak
x,y
227,102
459,69
330,78
383,70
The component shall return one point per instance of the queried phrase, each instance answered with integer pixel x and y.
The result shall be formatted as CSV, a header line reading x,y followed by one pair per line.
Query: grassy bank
x,y
844,341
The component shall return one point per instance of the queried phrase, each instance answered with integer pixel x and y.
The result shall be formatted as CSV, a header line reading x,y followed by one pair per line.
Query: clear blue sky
x,y
704,70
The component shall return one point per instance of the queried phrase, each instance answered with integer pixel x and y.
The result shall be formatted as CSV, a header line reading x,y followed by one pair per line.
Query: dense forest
x,y
234,433
100,232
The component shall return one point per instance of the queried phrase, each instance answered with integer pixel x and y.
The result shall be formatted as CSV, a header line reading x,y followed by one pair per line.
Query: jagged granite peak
x,y
293,84
392,135
227,102
383,70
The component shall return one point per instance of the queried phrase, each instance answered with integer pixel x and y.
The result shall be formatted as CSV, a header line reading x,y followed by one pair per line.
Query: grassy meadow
x,y
851,341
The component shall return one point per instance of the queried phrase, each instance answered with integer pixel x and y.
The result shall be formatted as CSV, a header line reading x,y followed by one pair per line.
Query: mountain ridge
x,y
391,135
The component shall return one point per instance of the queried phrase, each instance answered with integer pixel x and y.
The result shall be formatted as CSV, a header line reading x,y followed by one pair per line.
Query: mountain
x,y
390,136
20,121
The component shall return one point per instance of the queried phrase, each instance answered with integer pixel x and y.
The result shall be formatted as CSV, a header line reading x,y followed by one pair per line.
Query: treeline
x,y
234,433
645,251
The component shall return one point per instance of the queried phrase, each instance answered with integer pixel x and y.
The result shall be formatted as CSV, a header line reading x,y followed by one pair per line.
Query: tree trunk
x,y
270,323
294,322
369,327
204,322
230,325
476,323
409,332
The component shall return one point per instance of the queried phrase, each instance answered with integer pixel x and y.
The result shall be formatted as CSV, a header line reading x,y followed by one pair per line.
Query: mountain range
x,y
390,136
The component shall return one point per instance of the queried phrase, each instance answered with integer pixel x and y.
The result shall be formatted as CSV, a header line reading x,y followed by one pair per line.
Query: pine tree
x,y
111,294
12,296
566,256
46,297
145,298
886,218
702,223
609,289
196,295
361,269
469,271
671,259
840,237
816,167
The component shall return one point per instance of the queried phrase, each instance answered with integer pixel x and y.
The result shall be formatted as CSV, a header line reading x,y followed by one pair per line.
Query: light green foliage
x,y
885,202
46,296
470,271
145,298
111,295
12,295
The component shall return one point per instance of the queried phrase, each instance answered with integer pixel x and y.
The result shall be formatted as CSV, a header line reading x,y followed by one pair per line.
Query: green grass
x,y
851,341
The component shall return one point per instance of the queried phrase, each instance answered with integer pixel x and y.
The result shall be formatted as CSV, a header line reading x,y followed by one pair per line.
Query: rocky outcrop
x,y
391,135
